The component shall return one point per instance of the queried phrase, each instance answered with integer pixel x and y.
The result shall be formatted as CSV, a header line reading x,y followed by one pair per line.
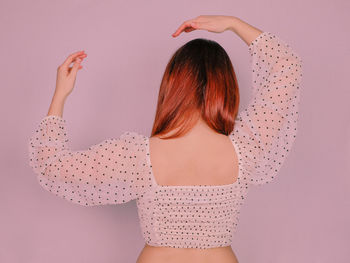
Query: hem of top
x,y
198,247
48,117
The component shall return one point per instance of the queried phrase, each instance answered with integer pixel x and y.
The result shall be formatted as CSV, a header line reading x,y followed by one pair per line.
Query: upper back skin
x,y
201,157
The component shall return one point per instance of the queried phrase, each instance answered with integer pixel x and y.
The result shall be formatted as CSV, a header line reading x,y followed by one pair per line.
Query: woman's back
x,y
201,157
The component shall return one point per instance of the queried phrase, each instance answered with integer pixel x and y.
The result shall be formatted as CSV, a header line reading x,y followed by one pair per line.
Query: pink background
x,y
303,216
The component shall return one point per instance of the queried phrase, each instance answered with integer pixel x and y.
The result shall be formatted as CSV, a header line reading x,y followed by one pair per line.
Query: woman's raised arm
x,y
266,129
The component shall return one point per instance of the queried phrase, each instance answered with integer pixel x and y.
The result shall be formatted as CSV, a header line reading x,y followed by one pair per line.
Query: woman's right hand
x,y
211,23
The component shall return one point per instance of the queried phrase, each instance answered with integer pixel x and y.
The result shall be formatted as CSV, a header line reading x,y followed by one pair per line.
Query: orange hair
x,y
199,82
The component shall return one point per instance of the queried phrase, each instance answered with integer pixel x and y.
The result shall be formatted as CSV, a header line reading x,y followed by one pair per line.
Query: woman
x,y
191,176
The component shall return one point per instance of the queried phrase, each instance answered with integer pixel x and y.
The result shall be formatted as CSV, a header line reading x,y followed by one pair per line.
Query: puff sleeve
x,y
110,172
266,129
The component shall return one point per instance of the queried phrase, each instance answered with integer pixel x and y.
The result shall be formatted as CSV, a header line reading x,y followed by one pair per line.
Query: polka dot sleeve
x,y
110,172
267,128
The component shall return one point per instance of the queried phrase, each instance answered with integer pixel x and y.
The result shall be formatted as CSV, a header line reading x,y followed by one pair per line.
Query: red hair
x,y
199,82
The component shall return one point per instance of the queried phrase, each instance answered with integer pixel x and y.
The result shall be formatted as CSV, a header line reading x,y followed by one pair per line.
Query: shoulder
x,y
137,145
136,142
133,138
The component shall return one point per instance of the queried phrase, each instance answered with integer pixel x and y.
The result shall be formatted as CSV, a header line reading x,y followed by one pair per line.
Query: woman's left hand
x,y
66,75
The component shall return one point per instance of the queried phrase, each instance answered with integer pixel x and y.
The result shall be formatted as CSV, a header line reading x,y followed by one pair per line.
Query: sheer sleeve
x,y
113,171
265,131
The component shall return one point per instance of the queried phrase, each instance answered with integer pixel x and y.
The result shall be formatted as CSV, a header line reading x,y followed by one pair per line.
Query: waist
x,y
152,254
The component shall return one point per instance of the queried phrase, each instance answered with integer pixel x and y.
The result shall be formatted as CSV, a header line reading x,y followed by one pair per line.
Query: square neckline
x,y
235,146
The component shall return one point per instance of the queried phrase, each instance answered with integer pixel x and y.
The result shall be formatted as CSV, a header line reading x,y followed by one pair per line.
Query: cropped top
x,y
118,170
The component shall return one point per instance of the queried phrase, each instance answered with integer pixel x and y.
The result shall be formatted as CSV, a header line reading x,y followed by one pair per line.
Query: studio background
x,y
302,216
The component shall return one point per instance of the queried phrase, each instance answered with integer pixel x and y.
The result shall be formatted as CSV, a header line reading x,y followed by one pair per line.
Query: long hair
x,y
199,82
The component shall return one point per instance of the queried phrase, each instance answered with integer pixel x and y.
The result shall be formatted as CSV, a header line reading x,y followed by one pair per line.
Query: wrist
x,y
59,97
232,23
57,105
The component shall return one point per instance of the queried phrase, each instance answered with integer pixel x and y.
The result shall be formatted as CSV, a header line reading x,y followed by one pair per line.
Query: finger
x,y
182,27
75,67
80,57
71,58
195,24
185,29
68,69
189,29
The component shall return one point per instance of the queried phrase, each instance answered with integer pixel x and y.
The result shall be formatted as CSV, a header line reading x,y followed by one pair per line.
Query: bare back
x,y
202,156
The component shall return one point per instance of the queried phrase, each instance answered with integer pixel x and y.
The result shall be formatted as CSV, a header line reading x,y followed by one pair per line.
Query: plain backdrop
x,y
303,216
